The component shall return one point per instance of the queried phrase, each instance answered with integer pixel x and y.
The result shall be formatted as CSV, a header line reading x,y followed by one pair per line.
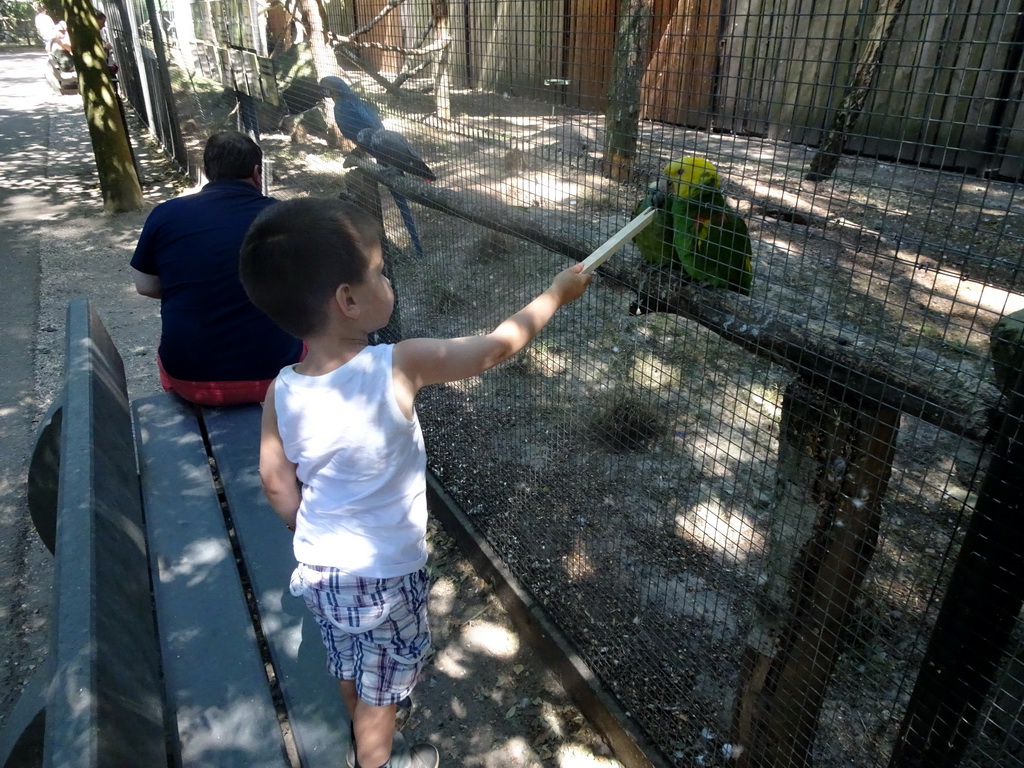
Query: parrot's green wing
x,y
686,236
655,240
714,246
728,252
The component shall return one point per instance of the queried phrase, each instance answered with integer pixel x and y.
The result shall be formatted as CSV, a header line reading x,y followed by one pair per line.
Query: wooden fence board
x,y
908,68
480,16
546,39
415,19
388,32
592,27
773,68
753,37
937,85
902,115
490,52
959,136
458,51
822,48
680,80
1011,163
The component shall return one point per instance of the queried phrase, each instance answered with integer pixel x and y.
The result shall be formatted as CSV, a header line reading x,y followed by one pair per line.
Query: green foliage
x,y
16,21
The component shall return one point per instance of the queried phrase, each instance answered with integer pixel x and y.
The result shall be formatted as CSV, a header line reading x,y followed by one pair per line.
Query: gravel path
x,y
485,700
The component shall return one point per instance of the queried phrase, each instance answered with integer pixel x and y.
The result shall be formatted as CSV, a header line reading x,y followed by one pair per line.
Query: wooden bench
x,y
174,638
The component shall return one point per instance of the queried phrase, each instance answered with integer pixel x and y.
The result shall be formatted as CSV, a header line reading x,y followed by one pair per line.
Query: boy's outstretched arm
x,y
419,362
280,483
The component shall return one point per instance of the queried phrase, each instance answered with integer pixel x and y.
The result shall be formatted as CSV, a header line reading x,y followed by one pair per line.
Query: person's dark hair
x,y
296,254
230,155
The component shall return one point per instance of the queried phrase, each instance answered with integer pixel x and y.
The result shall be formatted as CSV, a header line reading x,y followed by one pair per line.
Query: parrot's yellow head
x,y
688,175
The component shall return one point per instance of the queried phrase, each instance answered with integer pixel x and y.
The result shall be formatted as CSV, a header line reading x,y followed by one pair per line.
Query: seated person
x,y
60,49
216,348
61,39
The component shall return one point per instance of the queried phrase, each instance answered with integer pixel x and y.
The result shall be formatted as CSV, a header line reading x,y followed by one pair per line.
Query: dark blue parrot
x,y
391,148
360,123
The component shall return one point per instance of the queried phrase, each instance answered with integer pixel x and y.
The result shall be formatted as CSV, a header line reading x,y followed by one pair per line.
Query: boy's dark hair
x,y
296,254
230,155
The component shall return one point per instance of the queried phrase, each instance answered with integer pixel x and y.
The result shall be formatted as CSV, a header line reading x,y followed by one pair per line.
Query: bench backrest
x,y
105,701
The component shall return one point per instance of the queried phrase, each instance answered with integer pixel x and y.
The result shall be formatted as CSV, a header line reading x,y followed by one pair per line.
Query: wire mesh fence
x,y
744,511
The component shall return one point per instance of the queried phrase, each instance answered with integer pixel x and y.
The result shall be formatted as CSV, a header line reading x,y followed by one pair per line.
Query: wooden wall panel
x,y
679,84
773,68
750,60
817,61
388,32
939,83
591,45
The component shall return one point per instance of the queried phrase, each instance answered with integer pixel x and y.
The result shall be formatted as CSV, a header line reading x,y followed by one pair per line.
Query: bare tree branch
x,y
816,351
349,41
389,6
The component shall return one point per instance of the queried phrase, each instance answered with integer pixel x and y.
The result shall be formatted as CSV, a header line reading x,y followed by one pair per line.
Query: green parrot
x,y
655,240
696,227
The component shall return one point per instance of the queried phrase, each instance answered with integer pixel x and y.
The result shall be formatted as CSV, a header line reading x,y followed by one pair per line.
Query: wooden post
x,y
442,78
361,188
632,43
986,589
835,461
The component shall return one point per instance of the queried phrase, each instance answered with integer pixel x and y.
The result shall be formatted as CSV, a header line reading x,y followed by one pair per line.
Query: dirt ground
x,y
625,467
486,699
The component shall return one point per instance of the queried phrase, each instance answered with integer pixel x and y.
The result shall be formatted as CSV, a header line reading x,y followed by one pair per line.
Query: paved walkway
x,y
31,209
55,244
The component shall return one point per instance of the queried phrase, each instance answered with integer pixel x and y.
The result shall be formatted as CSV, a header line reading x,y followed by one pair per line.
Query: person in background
x,y
342,457
216,347
101,21
45,27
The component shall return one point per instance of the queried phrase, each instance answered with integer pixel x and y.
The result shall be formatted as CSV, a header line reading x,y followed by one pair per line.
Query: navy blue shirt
x,y
210,329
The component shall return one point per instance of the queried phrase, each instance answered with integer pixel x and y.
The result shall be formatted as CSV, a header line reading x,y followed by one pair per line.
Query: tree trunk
x,y
325,62
835,461
824,163
119,182
632,43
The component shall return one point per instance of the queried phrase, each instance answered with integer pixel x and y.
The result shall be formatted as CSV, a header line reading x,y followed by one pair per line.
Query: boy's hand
x,y
569,284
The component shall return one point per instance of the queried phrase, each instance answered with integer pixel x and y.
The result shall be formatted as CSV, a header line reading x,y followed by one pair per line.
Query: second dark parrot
x,y
360,123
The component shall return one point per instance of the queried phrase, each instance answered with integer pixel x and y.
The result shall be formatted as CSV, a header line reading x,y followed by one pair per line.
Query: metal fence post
x,y
986,590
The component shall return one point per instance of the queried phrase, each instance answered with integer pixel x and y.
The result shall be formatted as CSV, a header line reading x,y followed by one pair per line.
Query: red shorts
x,y
215,392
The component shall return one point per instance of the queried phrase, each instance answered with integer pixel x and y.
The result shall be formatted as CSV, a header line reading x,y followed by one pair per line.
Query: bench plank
x,y
214,676
105,707
318,717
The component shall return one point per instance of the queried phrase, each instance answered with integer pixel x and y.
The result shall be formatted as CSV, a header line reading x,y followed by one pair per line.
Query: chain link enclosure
x,y
745,512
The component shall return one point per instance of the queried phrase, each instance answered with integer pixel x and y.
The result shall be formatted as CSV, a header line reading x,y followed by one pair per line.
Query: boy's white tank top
x,y
362,466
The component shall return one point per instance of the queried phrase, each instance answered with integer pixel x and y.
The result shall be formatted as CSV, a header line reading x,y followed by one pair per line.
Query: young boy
x,y
341,454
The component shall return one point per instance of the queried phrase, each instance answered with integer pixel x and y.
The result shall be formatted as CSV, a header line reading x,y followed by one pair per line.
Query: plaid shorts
x,y
375,630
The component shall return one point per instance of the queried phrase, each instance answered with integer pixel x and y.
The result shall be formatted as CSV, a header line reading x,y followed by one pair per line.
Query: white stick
x,y
616,241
